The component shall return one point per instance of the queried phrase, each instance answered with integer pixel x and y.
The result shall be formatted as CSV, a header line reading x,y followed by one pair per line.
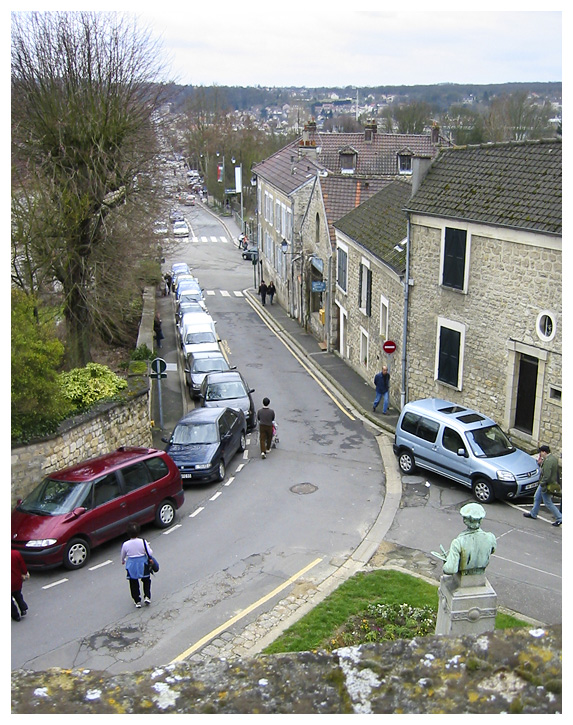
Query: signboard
x,y
158,365
389,347
318,286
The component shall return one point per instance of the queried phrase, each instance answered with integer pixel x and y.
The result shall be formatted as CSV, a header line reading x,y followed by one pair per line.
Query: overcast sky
x,y
315,44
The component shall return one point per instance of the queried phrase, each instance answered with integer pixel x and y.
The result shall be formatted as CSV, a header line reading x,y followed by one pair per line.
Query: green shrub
x,y
142,353
83,387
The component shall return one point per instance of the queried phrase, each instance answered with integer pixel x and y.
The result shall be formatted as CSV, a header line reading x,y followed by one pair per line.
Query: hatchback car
x,y
201,363
180,229
204,441
229,389
251,253
79,507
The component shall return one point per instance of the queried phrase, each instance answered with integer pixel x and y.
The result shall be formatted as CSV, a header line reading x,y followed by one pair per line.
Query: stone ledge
x,y
506,671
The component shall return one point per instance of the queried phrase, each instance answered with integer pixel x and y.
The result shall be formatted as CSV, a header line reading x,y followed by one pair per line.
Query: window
x,y
135,476
347,162
288,225
365,289
383,317
404,164
342,268
546,326
449,352
454,258
452,440
278,216
364,347
421,427
106,489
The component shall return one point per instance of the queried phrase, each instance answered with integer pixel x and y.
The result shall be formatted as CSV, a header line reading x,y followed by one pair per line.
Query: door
x,y
526,388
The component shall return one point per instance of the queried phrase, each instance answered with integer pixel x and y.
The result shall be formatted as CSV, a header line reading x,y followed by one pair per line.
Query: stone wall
x,y
506,671
510,283
102,430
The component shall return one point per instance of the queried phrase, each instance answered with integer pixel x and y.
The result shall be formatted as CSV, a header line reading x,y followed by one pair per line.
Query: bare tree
x,y
516,117
84,89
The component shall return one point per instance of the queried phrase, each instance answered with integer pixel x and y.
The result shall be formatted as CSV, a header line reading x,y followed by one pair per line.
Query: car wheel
x,y
483,490
406,462
76,554
165,514
221,470
243,442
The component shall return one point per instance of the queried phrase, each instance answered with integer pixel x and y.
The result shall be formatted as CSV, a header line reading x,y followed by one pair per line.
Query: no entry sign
x,y
389,346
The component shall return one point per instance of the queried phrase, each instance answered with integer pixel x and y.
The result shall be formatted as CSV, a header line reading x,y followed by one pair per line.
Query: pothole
x,y
305,487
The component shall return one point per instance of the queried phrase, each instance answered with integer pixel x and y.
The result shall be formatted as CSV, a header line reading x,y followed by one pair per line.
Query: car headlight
x,y
202,466
38,543
505,476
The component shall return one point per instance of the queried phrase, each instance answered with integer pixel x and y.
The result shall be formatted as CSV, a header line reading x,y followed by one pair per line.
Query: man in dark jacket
x,y
266,417
382,383
548,480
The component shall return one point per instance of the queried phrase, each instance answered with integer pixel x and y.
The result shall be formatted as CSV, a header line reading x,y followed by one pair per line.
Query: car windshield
x,y
197,338
210,365
489,442
224,391
53,497
185,435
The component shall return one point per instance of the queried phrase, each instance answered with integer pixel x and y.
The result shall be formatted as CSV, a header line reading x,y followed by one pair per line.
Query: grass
x,y
370,607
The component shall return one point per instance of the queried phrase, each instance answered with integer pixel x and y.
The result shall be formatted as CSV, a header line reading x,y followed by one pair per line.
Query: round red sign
x,y
389,346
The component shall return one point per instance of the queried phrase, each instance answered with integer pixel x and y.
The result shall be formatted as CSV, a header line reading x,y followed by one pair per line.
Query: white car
x,y
193,321
180,229
200,339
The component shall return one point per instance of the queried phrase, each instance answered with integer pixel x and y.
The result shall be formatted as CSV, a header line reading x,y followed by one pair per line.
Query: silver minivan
x,y
463,445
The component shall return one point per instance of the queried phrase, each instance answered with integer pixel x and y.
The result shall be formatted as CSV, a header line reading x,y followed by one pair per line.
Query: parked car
x,y
201,339
80,507
229,389
179,268
194,321
176,216
204,441
251,253
180,229
184,308
189,200
201,363
463,445
160,228
182,279
188,288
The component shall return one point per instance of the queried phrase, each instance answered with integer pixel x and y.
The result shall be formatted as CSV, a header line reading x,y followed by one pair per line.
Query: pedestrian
x,y
157,330
382,384
167,288
134,554
19,575
548,484
271,291
266,417
263,292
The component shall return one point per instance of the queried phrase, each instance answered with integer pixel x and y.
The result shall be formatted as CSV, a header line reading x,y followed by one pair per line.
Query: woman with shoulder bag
x,y
135,554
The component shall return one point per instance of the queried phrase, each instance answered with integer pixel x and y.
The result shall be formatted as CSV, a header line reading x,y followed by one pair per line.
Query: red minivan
x,y
77,508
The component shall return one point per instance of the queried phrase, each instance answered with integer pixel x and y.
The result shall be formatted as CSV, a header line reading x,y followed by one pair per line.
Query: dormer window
x,y
347,161
404,163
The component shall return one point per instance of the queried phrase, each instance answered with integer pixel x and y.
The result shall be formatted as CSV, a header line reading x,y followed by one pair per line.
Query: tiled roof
x,y
293,165
341,194
380,224
516,184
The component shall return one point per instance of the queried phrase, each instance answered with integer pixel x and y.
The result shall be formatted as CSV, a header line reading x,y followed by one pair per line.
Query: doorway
x,y
526,390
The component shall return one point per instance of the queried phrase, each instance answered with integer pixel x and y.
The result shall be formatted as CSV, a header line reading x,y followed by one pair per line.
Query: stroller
x,y
275,438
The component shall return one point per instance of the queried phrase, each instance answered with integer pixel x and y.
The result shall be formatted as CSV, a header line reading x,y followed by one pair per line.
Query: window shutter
x,y
449,356
369,292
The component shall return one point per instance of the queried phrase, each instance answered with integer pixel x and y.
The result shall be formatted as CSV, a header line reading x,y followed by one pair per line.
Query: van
x,y
465,446
200,338
85,505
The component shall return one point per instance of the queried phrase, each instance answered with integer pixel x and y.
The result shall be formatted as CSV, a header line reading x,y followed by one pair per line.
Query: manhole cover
x,y
304,488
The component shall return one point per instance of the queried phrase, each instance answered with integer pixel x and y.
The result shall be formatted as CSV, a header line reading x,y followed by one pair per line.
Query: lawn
x,y
371,606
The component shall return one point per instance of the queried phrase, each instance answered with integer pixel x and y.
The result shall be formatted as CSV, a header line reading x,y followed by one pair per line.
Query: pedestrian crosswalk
x,y
208,240
223,293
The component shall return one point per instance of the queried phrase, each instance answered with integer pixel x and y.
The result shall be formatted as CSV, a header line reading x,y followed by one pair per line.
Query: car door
x,y
451,464
108,513
141,491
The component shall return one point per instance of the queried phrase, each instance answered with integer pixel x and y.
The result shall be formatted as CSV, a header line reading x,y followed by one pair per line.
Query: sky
x,y
331,43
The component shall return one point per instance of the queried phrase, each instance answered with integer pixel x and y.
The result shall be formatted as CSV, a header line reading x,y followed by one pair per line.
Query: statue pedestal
x,y
468,605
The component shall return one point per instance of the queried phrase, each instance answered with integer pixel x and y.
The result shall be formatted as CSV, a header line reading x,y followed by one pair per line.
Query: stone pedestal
x,y
468,605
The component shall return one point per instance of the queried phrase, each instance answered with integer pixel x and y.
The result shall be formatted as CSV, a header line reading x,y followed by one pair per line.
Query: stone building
x,y
369,292
484,317
302,190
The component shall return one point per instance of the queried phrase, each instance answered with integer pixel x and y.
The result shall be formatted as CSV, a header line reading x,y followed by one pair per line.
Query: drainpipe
x,y
405,328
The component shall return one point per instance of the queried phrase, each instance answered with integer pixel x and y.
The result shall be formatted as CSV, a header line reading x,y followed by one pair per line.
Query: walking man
x,y
266,417
548,484
263,292
382,384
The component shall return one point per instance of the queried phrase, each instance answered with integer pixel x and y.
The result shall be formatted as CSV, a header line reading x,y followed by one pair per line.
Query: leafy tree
x,y
83,96
37,403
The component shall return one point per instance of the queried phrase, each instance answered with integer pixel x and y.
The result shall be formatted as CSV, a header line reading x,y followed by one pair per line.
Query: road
x,y
306,507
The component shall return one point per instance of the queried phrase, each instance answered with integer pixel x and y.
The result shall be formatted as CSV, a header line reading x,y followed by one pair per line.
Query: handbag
x,y
151,561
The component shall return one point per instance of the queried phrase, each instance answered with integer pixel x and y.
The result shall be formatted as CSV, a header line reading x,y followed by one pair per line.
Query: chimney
x,y
420,167
307,144
370,130
435,134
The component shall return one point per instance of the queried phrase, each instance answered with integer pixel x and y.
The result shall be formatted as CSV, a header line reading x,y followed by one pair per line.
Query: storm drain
x,y
302,488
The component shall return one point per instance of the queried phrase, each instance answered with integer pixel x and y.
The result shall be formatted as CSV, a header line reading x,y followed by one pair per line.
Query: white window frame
x,y
384,317
364,347
340,247
458,327
539,327
362,304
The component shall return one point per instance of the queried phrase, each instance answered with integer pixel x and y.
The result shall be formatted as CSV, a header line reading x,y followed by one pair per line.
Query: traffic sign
x,y
158,365
389,346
